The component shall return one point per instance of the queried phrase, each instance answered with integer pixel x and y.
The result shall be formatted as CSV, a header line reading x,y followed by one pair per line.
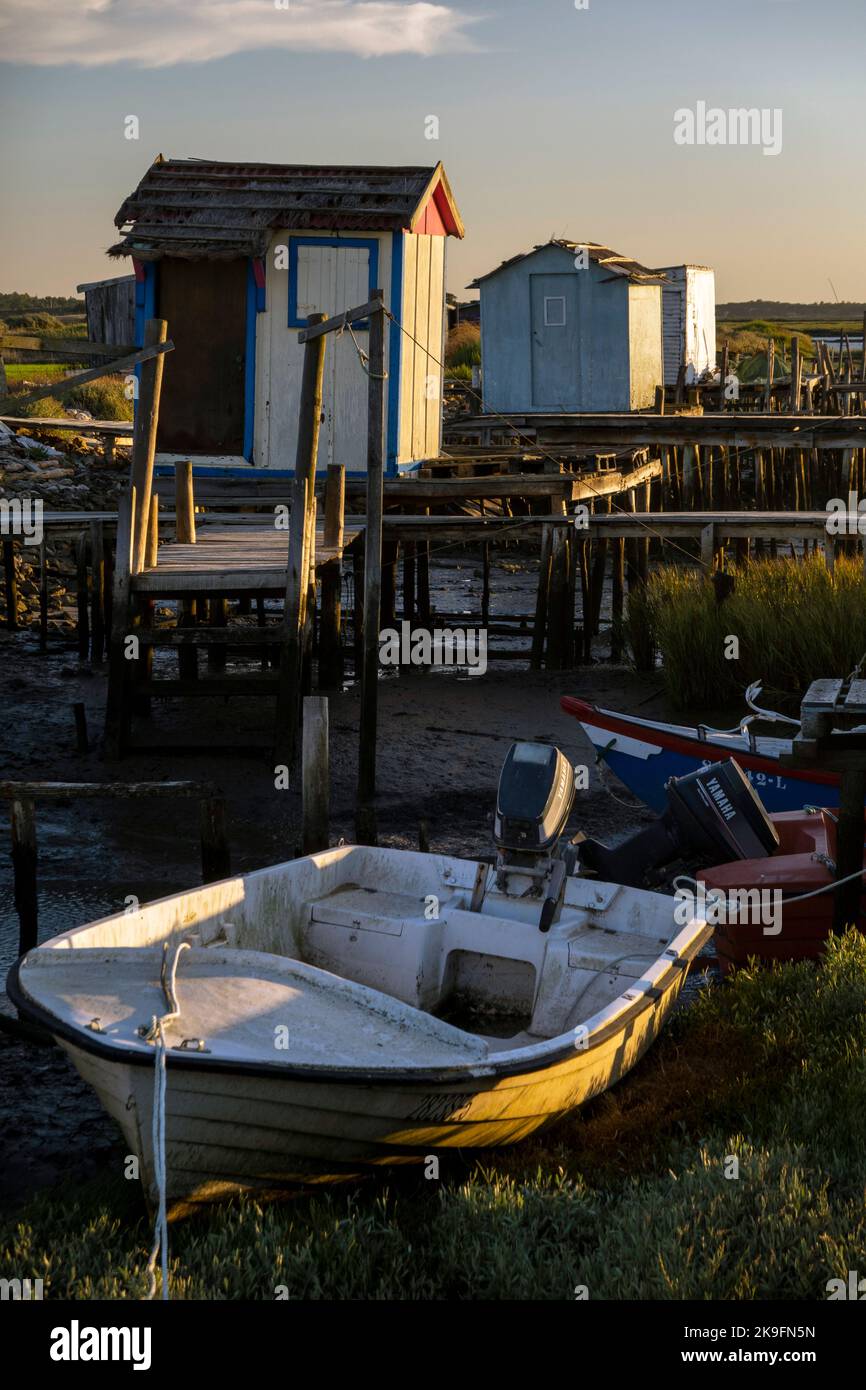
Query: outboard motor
x,y
534,801
713,815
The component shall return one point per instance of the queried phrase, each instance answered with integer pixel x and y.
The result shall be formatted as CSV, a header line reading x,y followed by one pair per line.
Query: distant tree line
x,y
775,309
18,303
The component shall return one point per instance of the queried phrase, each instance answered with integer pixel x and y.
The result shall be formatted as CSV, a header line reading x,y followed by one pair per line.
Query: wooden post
x,y
330,650
604,506
849,849
291,648
144,437
215,854
82,597
771,364
184,510
11,585
560,621
116,705
365,820
310,411
409,580
24,870
796,372
723,376
423,561
97,593
82,742
218,616
643,546
617,599
358,608
184,503
315,780
485,584
539,629
43,596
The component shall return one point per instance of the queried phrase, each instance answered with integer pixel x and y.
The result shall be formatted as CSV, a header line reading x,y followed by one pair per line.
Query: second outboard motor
x,y
713,815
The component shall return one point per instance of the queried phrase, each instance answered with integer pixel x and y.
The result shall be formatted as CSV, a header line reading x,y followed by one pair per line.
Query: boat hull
x,y
645,754
800,866
228,1132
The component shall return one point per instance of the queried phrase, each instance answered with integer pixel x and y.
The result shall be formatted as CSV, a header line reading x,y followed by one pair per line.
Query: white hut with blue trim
x,y
236,256
570,326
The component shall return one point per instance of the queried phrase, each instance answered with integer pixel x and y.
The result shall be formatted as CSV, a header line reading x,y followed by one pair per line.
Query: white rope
x,y
156,1035
364,357
717,894
160,1230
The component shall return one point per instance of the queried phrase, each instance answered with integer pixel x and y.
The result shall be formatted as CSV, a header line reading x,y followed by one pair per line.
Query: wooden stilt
x,y
24,857
11,583
184,508
144,437
365,819
286,737
82,596
330,649
97,593
541,599
215,854
117,702
315,775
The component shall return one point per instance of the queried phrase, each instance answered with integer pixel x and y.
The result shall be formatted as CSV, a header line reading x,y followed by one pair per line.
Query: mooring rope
x,y
160,1229
156,1035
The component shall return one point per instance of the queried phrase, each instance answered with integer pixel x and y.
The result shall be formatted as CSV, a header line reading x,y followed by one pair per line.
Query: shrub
x,y
795,622
105,399
463,348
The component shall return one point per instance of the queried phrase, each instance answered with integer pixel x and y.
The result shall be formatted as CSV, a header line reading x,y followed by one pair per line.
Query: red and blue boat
x,y
645,753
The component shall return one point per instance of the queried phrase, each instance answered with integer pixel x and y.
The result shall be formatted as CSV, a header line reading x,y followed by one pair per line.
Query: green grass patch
x,y
628,1197
795,622
37,372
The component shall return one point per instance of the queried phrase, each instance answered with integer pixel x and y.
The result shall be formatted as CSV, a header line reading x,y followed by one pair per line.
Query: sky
x,y
555,118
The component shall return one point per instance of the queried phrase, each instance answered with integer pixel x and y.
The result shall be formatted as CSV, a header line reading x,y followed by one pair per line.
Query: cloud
x,y
161,33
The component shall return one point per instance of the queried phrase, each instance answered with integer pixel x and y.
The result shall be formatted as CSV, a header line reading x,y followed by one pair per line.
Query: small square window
x,y
554,311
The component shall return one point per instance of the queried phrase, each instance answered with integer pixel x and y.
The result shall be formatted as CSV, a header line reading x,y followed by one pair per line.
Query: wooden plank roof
x,y
201,208
600,255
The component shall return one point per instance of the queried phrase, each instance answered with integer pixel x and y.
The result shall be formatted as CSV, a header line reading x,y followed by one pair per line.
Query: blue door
x,y
554,341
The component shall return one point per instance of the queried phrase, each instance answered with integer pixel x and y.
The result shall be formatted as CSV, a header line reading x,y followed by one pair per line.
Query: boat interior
x,y
364,957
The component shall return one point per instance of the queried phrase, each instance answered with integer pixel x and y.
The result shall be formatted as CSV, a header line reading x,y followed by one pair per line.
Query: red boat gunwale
x,y
677,743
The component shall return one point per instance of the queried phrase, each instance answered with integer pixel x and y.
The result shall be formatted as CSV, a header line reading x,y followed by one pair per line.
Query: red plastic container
x,y
799,865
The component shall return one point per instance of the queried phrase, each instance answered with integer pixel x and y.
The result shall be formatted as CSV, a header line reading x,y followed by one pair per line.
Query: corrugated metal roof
x,y
207,208
601,255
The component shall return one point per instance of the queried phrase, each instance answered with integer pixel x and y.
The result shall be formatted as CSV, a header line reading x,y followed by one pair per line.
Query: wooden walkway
x,y
242,558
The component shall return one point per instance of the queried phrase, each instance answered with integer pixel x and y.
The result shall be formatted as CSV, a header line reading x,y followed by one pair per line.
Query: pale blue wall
x,y
597,345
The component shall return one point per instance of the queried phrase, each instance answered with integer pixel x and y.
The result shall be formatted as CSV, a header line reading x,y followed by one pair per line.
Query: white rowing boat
x,y
359,1006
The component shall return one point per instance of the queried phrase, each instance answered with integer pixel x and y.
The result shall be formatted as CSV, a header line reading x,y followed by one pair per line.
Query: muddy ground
x,y
442,741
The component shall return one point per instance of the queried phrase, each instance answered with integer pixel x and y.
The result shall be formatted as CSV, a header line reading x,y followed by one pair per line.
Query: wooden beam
x,y
69,383
322,325
73,347
144,438
310,410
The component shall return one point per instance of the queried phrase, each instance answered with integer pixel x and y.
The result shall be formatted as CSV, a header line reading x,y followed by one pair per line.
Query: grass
x,y
628,1198
105,398
38,372
794,621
